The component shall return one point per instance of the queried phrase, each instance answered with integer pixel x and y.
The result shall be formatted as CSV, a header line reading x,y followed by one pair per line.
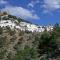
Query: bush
x,y
2,53
2,41
1,30
26,54
11,32
21,33
13,38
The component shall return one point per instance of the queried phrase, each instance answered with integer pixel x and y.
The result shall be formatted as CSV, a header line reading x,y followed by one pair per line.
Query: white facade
x,y
49,28
4,23
23,25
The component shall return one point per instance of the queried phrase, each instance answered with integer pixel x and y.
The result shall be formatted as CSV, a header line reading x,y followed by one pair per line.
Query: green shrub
x,y
26,54
2,41
1,30
2,53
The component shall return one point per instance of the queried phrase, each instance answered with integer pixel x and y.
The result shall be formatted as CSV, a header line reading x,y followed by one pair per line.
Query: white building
x,y
23,25
4,23
41,29
49,28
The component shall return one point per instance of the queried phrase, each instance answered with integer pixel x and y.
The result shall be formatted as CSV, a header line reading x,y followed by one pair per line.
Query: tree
x,y
11,16
56,31
56,34
47,44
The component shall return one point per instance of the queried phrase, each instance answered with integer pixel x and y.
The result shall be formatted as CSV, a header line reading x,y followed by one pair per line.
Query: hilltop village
x,y
13,22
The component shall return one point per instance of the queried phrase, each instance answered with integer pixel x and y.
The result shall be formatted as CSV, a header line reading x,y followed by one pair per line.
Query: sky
x,y
41,12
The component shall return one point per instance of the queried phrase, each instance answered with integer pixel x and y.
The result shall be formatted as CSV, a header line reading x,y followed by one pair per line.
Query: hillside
x,y
21,45
18,43
12,41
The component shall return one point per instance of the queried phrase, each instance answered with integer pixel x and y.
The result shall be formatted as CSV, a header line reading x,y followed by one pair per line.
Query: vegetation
x,y
11,16
1,30
20,45
26,54
10,31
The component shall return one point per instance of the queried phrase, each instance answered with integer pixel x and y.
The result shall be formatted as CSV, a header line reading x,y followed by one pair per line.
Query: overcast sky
x,y
40,12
